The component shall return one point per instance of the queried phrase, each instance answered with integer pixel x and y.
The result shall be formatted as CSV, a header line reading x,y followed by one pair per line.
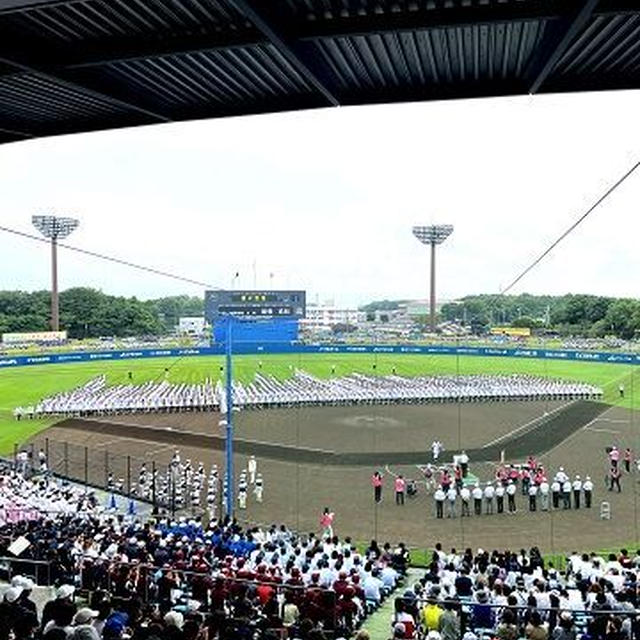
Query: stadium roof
x,y
81,65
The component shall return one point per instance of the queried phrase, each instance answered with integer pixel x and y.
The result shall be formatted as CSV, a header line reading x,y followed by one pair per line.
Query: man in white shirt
x,y
465,497
566,494
511,497
577,490
556,488
477,499
533,490
452,494
252,467
544,495
489,493
587,487
372,587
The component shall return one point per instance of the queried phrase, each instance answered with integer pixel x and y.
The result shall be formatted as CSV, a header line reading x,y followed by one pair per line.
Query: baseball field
x,y
310,473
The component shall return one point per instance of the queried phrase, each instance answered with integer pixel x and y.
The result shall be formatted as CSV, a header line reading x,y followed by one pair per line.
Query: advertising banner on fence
x,y
35,337
248,348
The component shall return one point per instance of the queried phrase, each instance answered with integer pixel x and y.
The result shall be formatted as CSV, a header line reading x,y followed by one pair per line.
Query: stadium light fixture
x,y
433,235
54,228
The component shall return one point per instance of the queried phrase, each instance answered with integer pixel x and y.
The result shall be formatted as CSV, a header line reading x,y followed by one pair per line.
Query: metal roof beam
x,y
57,78
10,6
122,50
14,132
425,19
562,39
285,47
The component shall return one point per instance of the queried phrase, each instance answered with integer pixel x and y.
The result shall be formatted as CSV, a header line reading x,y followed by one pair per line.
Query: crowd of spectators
x,y
512,595
182,579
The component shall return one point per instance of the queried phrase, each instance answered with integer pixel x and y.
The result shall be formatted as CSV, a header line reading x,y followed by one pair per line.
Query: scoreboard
x,y
254,304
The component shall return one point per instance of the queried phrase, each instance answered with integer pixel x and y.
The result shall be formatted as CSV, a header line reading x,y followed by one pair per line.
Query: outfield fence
x,y
255,348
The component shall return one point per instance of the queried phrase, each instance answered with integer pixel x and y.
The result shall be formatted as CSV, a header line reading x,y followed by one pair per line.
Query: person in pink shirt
x,y
326,523
376,483
400,487
614,456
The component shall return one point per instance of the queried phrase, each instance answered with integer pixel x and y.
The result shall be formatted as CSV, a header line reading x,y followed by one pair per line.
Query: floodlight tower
x,y
54,228
433,235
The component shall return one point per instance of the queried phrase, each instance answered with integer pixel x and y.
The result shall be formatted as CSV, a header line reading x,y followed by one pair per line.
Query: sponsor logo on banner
x,y
555,354
39,359
8,363
496,352
582,355
101,356
73,356
525,353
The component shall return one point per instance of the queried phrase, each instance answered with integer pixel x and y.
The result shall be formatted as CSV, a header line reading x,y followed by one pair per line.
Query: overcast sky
x,y
325,200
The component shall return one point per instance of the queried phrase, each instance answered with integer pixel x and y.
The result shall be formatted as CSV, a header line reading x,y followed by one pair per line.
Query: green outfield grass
x,y
22,386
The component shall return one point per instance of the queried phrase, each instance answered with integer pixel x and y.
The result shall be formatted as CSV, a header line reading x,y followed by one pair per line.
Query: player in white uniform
x,y
252,466
259,488
242,491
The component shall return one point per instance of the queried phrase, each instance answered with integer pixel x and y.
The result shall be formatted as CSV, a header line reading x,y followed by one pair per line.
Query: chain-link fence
x,y
167,487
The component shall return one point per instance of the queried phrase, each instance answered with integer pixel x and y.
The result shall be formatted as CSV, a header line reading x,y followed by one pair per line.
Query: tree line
x,y
571,314
89,313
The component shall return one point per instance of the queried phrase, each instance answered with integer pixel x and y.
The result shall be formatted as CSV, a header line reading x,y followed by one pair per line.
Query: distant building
x,y
324,317
191,326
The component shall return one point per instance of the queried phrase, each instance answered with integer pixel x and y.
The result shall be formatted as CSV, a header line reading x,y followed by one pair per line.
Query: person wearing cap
x,y
577,490
566,494
173,621
10,610
62,604
115,626
26,584
489,494
587,487
556,487
85,616
477,499
544,494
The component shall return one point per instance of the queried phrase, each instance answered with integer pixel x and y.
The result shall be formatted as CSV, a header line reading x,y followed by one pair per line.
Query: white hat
x,y
84,616
174,618
65,591
22,581
12,594
433,635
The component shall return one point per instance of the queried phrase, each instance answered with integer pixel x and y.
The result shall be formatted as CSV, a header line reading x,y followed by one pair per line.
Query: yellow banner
x,y
519,332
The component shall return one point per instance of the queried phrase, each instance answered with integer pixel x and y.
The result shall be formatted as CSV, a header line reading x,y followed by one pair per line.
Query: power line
x,y
592,208
101,256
